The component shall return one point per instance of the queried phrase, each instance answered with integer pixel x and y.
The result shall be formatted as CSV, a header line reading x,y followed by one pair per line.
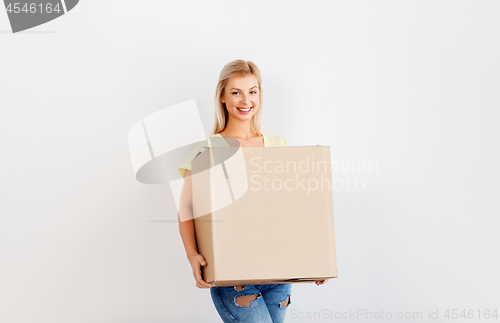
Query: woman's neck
x,y
239,129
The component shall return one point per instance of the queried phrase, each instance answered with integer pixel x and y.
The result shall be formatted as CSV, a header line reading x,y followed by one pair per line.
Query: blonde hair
x,y
237,67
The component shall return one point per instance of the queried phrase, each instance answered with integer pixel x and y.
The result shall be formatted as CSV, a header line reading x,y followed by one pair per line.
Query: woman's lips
x,y
245,109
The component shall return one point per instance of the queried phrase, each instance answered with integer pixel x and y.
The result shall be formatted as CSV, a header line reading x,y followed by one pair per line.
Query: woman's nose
x,y
244,99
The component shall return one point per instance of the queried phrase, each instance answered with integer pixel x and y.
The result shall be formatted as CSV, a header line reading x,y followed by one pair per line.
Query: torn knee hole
x,y
286,302
239,287
246,300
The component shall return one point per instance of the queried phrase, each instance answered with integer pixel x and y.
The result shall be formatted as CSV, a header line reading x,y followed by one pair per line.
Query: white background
x,y
411,86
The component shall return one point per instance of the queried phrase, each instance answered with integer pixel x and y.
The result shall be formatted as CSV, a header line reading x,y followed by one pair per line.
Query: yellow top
x,y
269,141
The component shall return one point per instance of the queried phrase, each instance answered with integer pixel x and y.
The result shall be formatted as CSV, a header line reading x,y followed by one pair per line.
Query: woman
x,y
237,115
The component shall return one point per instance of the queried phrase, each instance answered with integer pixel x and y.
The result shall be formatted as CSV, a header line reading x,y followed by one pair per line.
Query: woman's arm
x,y
186,229
186,223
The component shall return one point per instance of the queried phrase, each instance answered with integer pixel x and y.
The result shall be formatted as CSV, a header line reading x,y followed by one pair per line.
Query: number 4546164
x,y
32,8
471,314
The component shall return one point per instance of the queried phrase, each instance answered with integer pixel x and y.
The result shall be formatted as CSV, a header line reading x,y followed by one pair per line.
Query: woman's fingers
x,y
200,283
321,282
202,260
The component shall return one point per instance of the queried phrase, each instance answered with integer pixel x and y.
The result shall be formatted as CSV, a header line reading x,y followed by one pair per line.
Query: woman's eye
x,y
239,92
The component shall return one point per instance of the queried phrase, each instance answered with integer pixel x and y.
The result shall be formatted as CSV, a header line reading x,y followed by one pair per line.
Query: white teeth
x,y
244,110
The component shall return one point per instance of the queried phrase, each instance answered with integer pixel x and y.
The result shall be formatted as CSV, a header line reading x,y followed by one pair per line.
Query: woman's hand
x,y
196,261
321,282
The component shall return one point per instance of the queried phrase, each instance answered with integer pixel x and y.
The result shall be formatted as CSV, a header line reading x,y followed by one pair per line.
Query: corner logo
x,y
28,14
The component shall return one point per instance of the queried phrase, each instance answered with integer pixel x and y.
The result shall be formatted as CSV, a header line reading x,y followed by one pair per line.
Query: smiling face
x,y
242,96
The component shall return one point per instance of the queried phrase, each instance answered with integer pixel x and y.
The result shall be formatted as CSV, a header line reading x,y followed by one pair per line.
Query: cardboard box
x,y
264,215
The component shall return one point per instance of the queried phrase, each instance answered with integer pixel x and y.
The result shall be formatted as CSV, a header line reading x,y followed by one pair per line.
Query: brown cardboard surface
x,y
259,222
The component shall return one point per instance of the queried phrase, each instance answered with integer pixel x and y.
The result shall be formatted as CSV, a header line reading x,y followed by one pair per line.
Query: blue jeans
x,y
252,303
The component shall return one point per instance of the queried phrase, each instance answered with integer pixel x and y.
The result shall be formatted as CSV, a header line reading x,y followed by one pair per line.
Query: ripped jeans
x,y
265,303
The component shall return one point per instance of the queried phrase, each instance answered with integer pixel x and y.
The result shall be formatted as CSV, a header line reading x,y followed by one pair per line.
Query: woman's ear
x,y
222,99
